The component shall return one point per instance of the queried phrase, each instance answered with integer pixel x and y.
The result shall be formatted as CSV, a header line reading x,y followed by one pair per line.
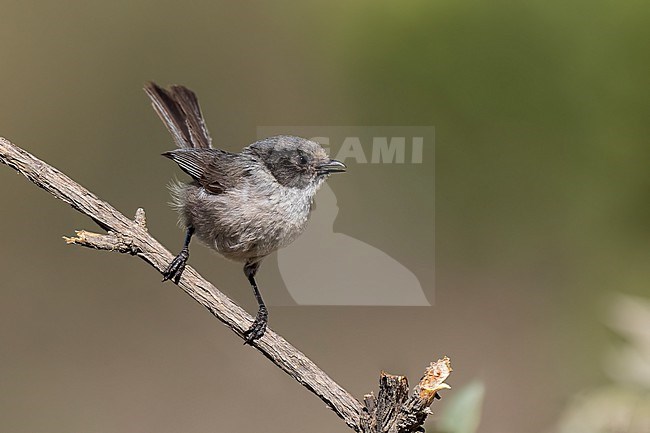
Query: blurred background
x,y
542,207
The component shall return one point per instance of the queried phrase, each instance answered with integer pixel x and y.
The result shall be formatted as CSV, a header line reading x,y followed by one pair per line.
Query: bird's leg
x,y
258,327
177,266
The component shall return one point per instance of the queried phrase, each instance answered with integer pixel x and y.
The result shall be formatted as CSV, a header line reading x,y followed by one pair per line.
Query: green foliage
x,y
463,413
623,405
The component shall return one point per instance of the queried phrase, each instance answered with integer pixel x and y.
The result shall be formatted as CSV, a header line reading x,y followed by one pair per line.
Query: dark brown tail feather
x,y
179,110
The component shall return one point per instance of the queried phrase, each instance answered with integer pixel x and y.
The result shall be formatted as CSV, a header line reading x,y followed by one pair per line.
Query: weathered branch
x,y
394,412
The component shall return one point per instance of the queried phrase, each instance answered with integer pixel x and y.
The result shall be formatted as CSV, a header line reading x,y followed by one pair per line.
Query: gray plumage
x,y
241,207
244,205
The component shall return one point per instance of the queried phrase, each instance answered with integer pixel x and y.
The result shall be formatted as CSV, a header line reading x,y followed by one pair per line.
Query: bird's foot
x,y
258,328
176,267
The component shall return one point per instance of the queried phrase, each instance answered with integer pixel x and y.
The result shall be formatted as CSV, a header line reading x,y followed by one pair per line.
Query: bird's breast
x,y
250,221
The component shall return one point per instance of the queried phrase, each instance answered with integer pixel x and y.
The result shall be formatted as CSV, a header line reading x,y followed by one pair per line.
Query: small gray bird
x,y
244,205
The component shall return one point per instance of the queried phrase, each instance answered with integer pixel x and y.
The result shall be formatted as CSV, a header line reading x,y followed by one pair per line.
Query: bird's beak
x,y
333,166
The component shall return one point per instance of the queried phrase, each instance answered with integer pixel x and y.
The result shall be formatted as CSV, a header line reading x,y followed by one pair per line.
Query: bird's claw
x,y
176,267
258,328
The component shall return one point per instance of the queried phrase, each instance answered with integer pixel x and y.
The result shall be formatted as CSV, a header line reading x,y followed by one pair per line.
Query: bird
x,y
244,205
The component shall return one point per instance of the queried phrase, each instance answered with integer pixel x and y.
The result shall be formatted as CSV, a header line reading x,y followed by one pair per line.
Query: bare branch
x,y
394,412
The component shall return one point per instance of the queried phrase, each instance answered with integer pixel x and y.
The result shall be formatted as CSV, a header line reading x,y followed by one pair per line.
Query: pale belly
x,y
241,226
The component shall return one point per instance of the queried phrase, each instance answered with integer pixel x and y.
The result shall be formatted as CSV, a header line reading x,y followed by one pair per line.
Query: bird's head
x,y
295,162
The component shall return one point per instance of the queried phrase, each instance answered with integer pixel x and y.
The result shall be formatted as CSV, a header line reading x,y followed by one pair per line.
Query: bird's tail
x,y
178,108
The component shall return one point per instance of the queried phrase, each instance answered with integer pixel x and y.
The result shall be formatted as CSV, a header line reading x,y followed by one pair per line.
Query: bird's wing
x,y
214,169
179,110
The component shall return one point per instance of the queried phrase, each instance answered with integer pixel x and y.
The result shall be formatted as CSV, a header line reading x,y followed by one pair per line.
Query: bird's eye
x,y
302,158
